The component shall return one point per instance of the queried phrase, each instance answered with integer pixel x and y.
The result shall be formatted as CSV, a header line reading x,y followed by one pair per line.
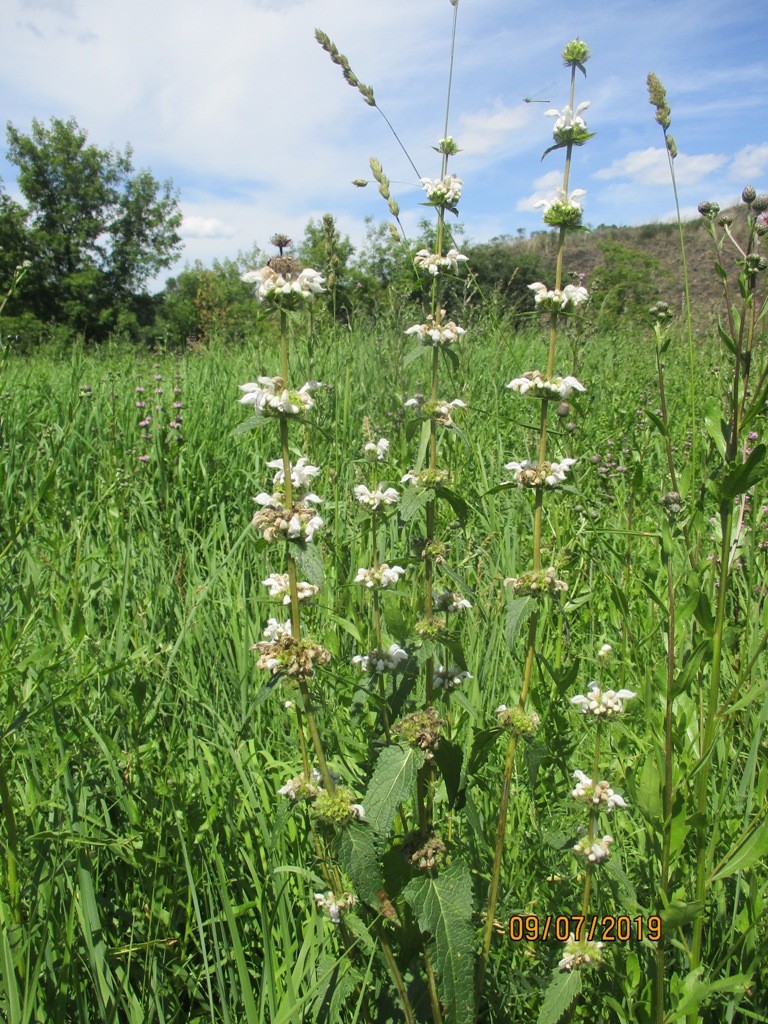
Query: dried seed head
x,y
285,266
422,729
425,855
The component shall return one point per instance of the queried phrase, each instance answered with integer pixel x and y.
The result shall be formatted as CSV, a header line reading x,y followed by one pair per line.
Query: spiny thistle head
x,y
657,95
760,203
576,54
709,210
749,194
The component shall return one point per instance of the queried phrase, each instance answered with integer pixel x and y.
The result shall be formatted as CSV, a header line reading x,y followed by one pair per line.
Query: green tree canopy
x,y
97,230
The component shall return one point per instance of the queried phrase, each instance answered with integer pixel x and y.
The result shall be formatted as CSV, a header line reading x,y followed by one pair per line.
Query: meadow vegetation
x,y
397,807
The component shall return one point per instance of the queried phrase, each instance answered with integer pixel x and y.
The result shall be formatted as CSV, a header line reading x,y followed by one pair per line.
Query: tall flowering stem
x,y
564,212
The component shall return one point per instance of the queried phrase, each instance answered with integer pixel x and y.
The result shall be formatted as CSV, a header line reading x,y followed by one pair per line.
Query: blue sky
x,y
238,104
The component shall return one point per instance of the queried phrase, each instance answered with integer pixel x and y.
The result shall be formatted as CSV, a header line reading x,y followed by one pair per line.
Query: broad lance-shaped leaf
x,y
391,784
443,907
357,856
563,989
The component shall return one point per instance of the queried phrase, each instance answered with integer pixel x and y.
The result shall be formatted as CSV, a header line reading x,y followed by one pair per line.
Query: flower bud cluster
x,y
580,955
374,500
444,191
536,385
434,264
602,702
279,586
449,678
275,522
596,794
337,808
517,722
287,289
450,601
436,332
422,729
564,211
594,850
378,662
426,478
376,451
537,584
270,397
569,126
285,655
381,577
530,474
440,411
555,300
334,906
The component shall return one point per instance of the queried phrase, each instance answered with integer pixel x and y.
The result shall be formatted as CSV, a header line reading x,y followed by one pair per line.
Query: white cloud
x,y
650,167
489,131
206,227
545,189
750,162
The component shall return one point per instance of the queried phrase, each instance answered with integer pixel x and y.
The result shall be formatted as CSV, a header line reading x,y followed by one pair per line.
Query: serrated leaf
x,y
390,785
310,563
443,907
413,354
413,500
562,991
518,611
356,853
249,424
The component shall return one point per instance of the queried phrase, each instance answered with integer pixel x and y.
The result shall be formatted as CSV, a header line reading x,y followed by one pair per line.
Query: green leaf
x,y
249,424
309,562
443,907
744,854
357,855
680,912
649,792
449,758
519,610
457,503
390,785
481,747
562,990
413,500
657,421
715,424
740,478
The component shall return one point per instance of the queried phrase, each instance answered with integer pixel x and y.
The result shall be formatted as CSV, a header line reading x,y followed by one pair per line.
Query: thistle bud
x,y
760,203
749,193
709,210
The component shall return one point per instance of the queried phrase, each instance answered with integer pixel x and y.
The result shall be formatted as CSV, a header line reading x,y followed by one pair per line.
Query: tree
x,y
97,230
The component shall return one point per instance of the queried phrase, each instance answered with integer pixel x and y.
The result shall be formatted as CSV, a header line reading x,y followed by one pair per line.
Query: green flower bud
x,y
575,54
749,193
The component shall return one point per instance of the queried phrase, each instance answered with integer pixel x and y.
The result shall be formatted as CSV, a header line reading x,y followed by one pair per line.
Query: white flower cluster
x,y
300,786
537,385
334,906
375,499
602,702
436,332
301,522
537,584
377,450
568,123
276,630
443,191
530,474
450,601
301,475
440,411
562,201
273,286
382,577
279,586
580,954
449,678
605,651
270,397
600,793
594,850
559,300
426,478
434,264
378,662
